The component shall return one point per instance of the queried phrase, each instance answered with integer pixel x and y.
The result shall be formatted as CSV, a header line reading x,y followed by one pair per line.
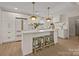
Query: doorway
x,y
77,27
18,27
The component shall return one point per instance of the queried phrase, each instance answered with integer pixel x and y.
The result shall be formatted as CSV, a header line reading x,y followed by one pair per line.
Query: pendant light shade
x,y
48,18
33,17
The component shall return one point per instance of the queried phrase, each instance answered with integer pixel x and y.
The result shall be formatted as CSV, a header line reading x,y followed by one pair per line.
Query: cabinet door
x,y
8,27
11,29
77,28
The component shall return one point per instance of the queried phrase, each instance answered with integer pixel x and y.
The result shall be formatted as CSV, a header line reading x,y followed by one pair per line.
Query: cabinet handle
x,y
8,37
9,32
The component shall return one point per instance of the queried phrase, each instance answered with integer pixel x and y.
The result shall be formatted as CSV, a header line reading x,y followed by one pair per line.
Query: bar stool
x,y
42,42
47,41
36,44
51,40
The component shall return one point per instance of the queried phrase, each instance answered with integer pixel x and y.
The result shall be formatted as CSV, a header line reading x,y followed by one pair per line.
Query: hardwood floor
x,y
65,47
11,49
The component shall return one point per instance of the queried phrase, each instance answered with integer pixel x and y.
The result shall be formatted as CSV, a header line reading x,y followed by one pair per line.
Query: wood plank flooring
x,y
65,47
11,49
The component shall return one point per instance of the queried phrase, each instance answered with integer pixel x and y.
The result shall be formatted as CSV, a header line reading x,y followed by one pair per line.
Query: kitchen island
x,y
27,39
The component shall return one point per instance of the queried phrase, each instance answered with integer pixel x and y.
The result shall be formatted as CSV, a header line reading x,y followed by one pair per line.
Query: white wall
x,y
71,26
72,16
0,28
72,23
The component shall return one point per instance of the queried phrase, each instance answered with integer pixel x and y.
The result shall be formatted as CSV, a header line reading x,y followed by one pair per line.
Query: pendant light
x,y
33,17
48,18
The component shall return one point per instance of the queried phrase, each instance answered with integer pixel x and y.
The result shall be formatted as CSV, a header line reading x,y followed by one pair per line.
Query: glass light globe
x,y
48,19
33,17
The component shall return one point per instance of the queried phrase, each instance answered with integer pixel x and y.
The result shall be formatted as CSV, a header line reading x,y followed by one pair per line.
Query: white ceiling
x,y
40,7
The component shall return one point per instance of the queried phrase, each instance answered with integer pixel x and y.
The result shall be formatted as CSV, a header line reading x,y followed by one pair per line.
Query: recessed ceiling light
x,y
37,13
15,8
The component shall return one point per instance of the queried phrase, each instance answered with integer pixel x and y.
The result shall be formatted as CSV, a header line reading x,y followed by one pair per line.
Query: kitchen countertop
x,y
36,31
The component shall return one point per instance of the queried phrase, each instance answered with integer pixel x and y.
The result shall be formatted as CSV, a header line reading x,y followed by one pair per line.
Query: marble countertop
x,y
37,31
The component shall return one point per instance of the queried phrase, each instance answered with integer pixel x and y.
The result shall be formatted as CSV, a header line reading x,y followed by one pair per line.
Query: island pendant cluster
x,y
33,17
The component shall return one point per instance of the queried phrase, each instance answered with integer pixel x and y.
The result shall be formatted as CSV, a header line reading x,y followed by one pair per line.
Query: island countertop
x,y
37,31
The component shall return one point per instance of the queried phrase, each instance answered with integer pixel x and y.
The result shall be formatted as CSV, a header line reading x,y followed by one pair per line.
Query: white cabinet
x,y
61,24
8,27
63,33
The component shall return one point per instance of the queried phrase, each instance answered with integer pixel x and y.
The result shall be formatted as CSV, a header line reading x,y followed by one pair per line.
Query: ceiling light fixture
x,y
15,8
48,18
33,17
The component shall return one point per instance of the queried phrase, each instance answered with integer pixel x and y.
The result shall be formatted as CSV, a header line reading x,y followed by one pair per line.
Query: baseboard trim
x,y
63,38
11,41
